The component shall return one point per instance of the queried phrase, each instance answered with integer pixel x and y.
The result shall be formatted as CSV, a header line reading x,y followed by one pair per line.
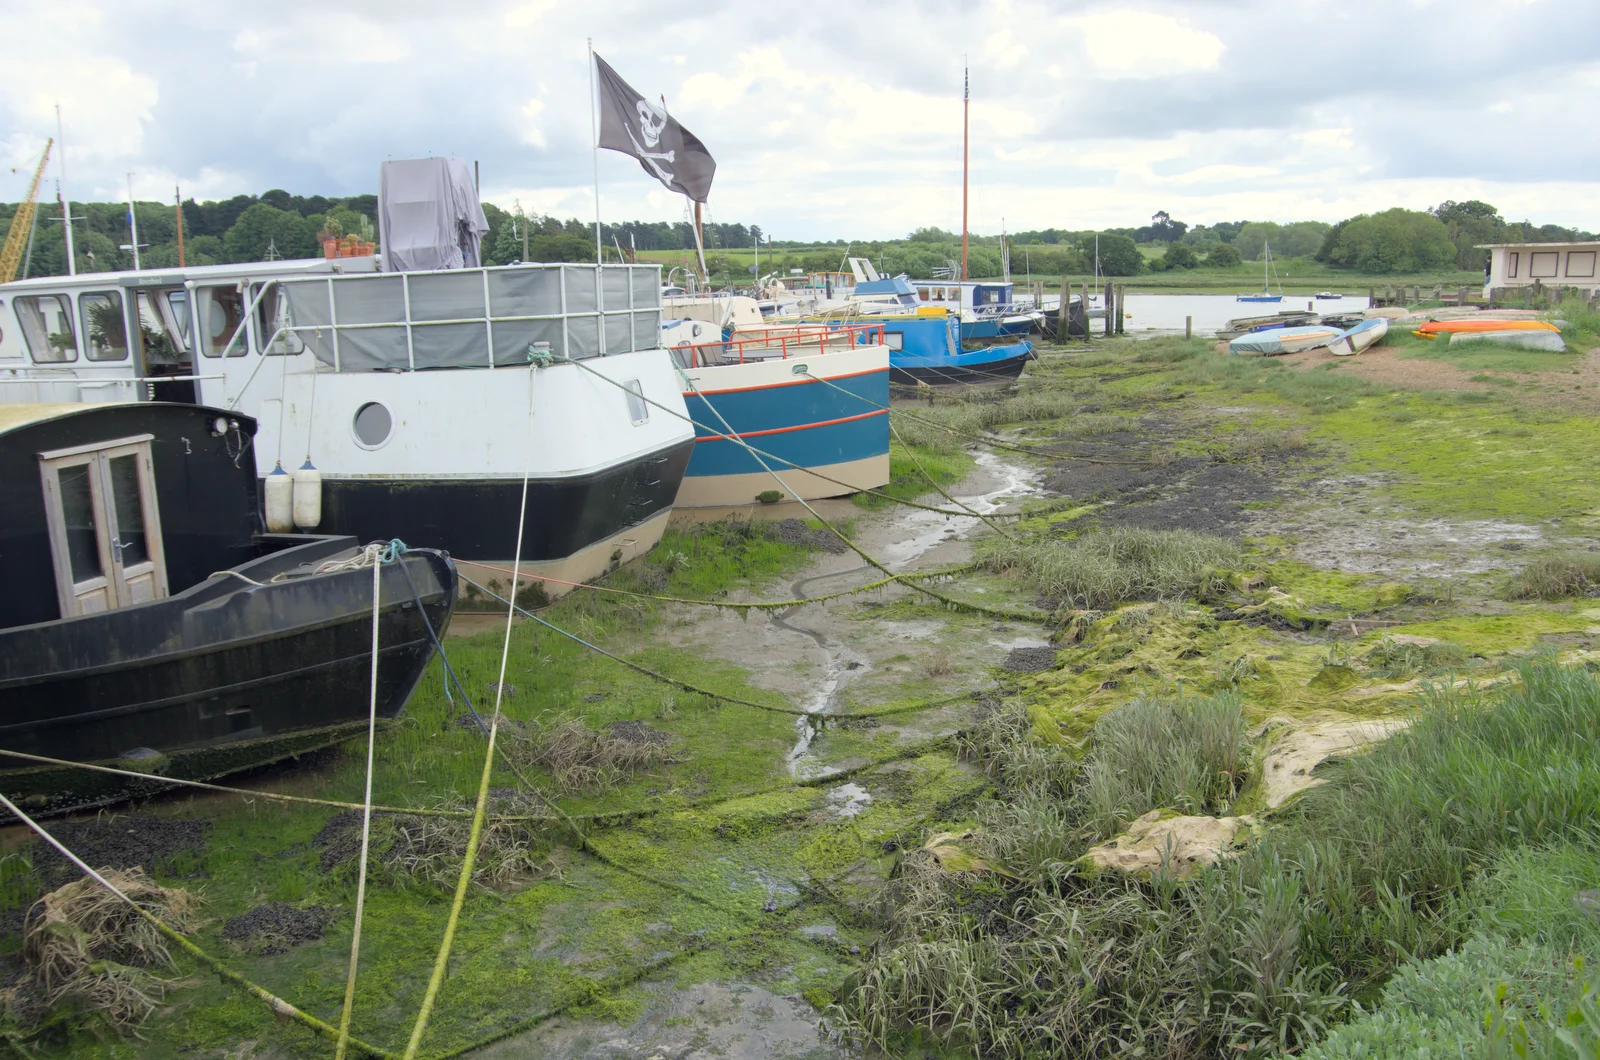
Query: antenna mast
x,y
966,107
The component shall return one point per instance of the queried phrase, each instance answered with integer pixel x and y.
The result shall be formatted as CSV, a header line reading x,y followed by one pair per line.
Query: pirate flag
x,y
668,152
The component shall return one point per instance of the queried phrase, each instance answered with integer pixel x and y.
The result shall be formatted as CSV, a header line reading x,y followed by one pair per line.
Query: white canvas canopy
x,y
428,215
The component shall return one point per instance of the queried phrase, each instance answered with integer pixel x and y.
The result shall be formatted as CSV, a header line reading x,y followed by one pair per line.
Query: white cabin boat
x,y
410,392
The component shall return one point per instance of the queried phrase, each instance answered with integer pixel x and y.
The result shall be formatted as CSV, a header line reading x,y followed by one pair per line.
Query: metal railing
x,y
478,318
759,344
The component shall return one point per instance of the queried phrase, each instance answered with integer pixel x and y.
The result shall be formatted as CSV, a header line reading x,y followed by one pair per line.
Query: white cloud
x,y
1146,44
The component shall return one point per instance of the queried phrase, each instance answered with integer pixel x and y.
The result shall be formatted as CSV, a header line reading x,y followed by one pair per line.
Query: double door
x,y
105,526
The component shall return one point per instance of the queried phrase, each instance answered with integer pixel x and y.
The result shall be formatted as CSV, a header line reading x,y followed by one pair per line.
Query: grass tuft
x,y
1102,567
1556,577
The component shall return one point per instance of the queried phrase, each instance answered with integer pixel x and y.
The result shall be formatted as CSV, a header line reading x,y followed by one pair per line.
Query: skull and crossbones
x,y
652,120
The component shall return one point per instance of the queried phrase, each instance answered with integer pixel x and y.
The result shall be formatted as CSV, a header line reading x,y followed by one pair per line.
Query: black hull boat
x,y
167,645
1003,370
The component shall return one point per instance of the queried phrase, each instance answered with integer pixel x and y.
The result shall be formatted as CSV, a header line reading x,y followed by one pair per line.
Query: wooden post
x,y
1372,296
1108,303
1063,311
1188,327
1461,295
1121,295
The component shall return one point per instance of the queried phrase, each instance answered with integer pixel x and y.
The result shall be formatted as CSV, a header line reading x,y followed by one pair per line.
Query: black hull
x,y
477,519
223,677
994,372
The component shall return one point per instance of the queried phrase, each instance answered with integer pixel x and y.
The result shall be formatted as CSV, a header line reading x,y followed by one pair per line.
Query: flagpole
x,y
594,134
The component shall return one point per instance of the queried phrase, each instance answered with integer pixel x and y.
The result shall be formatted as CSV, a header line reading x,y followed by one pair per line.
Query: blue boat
x,y
809,397
987,309
1266,270
927,349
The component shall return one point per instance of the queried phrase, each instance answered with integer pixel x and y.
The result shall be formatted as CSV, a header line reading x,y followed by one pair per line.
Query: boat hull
x,y
838,429
969,368
564,515
226,676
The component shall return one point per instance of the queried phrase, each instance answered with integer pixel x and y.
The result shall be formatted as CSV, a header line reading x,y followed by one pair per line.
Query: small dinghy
x,y
1527,339
1368,333
149,624
1435,328
1281,341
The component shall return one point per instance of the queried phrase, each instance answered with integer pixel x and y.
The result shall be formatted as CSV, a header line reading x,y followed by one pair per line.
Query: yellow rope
x,y
469,861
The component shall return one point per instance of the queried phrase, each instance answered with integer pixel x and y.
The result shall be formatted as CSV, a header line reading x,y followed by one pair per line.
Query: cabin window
x,y
638,409
157,344
272,315
105,528
105,330
1512,259
1580,264
373,424
47,326
1542,264
895,340
922,293
221,313
178,315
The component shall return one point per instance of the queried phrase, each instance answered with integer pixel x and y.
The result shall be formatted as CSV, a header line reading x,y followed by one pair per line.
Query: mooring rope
x,y
685,686
366,813
280,1007
948,601
469,861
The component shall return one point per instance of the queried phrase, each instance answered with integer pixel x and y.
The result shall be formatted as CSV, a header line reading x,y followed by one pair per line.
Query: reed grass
x,y
1556,577
1385,864
1102,567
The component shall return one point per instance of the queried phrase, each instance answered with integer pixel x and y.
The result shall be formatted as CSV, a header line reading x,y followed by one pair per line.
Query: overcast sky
x,y
834,119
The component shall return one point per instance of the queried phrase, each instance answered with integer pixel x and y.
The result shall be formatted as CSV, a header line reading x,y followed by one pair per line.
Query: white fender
x,y
279,491
307,496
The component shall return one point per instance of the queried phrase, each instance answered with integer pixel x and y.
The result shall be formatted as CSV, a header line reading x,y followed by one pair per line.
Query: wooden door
x,y
105,526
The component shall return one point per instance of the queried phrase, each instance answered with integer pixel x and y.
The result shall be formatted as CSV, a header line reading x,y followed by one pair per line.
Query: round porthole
x,y
372,425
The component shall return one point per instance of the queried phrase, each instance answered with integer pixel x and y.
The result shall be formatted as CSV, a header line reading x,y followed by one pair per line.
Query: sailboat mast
x,y
966,108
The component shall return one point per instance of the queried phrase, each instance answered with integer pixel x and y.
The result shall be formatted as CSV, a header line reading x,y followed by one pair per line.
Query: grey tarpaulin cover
x,y
428,215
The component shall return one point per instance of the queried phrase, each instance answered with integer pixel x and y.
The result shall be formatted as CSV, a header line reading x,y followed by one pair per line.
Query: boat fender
x,y
307,496
279,490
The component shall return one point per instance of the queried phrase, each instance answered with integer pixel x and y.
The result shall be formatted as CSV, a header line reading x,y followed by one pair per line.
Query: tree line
x,y
276,224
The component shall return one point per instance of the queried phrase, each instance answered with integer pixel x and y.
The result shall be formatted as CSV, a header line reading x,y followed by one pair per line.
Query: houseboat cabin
x,y
1514,265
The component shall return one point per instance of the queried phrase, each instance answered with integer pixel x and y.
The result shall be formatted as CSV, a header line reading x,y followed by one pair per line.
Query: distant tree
x,y
1396,240
563,247
1300,239
1222,256
933,235
1253,237
264,228
1119,255
1161,229
279,199
1180,256
1469,224
1227,231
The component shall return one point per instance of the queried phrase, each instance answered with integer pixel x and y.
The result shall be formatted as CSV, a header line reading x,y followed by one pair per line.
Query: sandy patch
x,y
1185,843
1288,766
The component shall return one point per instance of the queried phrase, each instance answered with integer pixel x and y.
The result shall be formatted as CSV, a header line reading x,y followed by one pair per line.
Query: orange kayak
x,y
1457,327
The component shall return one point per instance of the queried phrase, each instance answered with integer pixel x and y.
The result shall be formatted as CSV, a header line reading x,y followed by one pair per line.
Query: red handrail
x,y
797,337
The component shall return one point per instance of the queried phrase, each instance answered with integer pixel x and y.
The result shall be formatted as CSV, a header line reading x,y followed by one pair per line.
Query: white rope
x,y
473,838
370,556
366,825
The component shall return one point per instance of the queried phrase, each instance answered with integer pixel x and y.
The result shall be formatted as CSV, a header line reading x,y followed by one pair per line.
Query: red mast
x,y
966,107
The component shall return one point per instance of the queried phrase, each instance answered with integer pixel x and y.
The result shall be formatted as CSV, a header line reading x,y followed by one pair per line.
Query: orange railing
x,y
792,341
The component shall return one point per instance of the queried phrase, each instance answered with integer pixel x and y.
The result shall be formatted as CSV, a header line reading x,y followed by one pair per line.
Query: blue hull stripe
x,y
816,424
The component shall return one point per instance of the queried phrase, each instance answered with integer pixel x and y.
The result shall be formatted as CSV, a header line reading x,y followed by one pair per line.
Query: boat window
x,y
178,316
105,530
47,326
77,516
105,331
272,314
156,343
221,313
895,340
638,410
373,424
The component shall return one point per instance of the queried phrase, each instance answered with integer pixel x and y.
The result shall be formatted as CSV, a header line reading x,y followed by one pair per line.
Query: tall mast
x,y
66,199
133,224
177,199
594,134
966,107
